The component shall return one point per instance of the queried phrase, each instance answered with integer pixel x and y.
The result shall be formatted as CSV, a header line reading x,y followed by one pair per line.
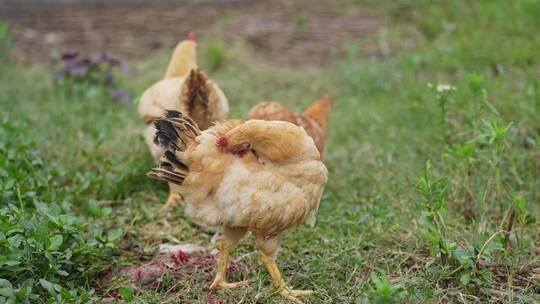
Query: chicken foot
x,y
268,250
172,200
229,239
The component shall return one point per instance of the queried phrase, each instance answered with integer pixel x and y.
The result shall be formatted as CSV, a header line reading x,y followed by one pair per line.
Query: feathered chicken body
x,y
186,89
314,119
260,176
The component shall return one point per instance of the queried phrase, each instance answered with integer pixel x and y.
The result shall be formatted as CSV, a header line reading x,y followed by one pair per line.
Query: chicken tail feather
x,y
175,132
195,91
164,175
320,111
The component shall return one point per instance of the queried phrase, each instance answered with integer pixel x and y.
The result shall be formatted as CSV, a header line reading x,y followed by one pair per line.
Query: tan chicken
x,y
186,89
265,177
314,119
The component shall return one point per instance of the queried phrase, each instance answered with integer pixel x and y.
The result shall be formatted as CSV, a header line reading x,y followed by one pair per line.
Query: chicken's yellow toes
x,y
291,294
299,293
227,285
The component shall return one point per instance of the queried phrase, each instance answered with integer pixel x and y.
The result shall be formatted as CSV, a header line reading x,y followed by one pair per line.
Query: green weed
x,y
5,40
215,53
46,247
300,23
384,291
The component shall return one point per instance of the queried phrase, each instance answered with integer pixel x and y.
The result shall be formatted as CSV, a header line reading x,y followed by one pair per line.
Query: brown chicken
x,y
314,119
265,177
186,89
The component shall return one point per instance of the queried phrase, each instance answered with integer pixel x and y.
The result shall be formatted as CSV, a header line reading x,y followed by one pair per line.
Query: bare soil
x,y
284,32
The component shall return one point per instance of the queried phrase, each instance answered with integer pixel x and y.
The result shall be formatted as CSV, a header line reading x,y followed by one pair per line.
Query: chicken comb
x,y
222,142
191,36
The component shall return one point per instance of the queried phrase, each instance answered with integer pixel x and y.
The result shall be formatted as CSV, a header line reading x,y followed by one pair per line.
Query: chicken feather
x,y
260,176
314,119
184,88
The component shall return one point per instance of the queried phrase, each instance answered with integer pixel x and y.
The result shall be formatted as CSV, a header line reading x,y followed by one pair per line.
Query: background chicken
x,y
260,176
186,89
314,119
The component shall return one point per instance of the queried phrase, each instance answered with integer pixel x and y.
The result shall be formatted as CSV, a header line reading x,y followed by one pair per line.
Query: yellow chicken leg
x,y
284,291
229,238
172,200
268,249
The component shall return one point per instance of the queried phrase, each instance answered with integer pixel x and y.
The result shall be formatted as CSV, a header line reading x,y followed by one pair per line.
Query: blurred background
x,y
298,33
434,148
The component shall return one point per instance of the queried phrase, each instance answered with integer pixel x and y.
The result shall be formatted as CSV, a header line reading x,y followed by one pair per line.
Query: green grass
x,y
432,196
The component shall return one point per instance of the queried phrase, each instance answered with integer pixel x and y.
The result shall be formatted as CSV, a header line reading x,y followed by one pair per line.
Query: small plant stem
x,y
442,224
453,271
488,104
509,226
446,132
19,198
485,244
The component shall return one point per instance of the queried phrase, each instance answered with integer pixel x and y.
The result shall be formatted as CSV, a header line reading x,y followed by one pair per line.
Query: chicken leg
x,y
229,239
268,248
174,198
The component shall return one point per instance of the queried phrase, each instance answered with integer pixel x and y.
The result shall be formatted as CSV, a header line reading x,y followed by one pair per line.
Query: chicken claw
x,y
292,295
284,291
219,283
229,239
297,292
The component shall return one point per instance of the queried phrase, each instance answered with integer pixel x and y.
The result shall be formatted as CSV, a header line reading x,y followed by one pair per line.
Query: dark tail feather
x,y
195,90
178,163
167,176
175,132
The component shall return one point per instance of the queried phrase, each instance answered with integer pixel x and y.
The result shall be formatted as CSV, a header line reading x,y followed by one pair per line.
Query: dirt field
x,y
279,31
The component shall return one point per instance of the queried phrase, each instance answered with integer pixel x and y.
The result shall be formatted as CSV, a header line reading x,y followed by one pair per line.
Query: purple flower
x,y
126,69
96,70
123,96
78,70
104,58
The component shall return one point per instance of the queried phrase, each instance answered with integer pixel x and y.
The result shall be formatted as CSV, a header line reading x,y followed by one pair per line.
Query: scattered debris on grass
x,y
193,264
186,248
